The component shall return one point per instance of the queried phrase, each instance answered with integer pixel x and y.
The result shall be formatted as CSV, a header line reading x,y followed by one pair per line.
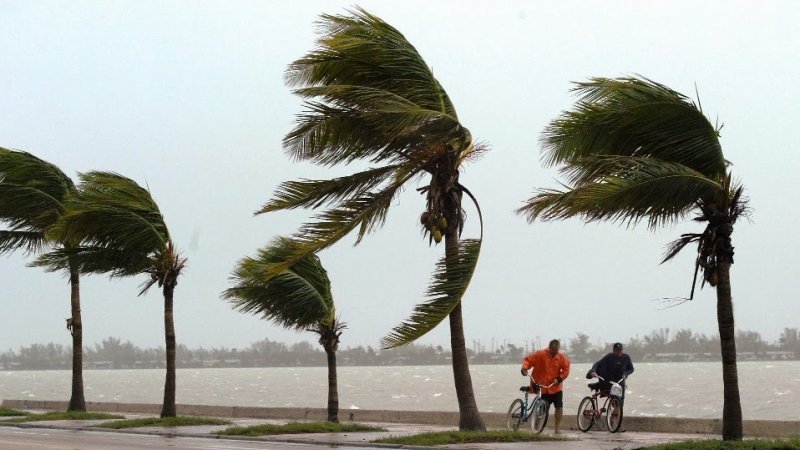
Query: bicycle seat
x,y
599,387
525,389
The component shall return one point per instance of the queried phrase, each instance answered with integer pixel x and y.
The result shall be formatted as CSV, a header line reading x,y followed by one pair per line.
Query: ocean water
x,y
769,390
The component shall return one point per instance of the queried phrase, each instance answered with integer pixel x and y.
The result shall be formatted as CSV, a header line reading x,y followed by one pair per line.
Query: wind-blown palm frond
x,y
29,208
360,49
96,260
634,117
32,196
115,212
675,247
315,193
297,297
626,189
450,282
123,231
369,95
28,241
366,212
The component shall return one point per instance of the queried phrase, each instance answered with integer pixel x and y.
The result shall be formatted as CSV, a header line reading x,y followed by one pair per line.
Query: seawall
x,y
759,428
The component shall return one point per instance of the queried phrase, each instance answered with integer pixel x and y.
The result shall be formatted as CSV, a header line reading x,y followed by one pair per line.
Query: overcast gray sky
x,y
188,97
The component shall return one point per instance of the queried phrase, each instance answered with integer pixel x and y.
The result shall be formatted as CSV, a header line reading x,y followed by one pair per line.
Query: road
x,y
12,438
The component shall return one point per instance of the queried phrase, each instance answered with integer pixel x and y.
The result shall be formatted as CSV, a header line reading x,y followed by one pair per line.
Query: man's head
x,y
617,349
553,347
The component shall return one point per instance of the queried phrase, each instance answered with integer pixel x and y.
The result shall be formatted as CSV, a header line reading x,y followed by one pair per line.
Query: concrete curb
x,y
752,428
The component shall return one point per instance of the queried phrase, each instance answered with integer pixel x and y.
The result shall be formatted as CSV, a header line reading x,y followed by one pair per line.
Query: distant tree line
x,y
658,345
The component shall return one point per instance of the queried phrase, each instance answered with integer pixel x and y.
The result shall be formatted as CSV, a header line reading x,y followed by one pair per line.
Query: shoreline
x,y
752,428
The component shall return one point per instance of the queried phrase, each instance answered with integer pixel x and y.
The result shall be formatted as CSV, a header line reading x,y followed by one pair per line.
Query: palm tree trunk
x,y
77,401
732,407
469,416
333,390
168,408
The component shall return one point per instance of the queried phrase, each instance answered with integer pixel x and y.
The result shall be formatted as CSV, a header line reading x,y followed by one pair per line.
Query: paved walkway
x,y
593,440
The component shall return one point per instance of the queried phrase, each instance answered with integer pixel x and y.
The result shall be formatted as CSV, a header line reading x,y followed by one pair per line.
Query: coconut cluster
x,y
435,224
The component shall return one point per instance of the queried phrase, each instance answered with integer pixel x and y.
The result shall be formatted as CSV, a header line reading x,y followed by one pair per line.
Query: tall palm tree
x,y
370,97
299,297
125,235
634,150
32,197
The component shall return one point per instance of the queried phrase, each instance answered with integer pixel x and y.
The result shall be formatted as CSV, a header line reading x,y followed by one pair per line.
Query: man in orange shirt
x,y
550,366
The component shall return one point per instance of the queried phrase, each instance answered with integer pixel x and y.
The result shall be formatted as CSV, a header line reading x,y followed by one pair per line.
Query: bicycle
x,y
590,410
521,411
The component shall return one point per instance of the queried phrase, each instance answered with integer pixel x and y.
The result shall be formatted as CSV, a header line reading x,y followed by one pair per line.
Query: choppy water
x,y
769,390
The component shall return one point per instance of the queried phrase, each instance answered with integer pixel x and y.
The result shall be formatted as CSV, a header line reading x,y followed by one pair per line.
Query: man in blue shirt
x,y
615,366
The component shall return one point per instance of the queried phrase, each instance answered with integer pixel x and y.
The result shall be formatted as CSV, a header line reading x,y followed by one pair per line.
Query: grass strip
x,y
298,428
69,415
749,444
180,421
468,437
5,412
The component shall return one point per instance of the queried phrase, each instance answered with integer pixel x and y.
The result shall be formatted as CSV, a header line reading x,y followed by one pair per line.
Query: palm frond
x,y
674,247
331,135
112,211
23,206
97,260
296,297
738,205
634,117
28,241
636,189
32,196
315,193
366,212
369,95
24,169
360,49
450,281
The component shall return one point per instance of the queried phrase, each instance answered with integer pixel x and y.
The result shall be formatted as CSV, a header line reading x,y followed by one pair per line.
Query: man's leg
x,y
558,402
559,413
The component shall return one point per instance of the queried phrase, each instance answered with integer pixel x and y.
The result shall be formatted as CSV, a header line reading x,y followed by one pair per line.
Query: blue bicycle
x,y
521,411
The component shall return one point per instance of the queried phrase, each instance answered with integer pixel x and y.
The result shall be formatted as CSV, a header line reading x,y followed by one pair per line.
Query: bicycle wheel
x,y
614,414
516,414
586,414
541,410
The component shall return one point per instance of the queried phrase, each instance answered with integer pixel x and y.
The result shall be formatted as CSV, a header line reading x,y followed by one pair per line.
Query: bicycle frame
x,y
521,410
590,411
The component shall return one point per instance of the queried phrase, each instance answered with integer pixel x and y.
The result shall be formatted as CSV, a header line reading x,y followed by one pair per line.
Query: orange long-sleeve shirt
x,y
546,368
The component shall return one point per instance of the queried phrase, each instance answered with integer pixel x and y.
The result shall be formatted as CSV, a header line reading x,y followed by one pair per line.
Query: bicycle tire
x,y
515,415
614,414
539,414
586,411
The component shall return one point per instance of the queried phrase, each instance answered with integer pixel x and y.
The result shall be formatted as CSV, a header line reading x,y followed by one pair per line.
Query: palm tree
x,y
370,97
299,297
635,150
32,197
126,235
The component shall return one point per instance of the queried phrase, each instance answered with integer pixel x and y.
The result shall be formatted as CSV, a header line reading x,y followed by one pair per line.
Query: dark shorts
x,y
555,399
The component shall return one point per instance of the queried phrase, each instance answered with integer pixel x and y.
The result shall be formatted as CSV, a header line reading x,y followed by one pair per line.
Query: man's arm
x,y
564,369
592,371
628,366
527,364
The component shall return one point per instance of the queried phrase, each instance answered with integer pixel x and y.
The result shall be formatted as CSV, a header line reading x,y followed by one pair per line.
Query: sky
x,y
188,98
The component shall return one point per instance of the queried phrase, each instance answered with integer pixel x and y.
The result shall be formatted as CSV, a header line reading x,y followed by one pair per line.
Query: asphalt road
x,y
12,438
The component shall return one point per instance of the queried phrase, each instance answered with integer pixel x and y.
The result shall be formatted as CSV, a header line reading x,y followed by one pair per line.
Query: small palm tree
x,y
32,197
369,96
299,297
125,235
635,150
